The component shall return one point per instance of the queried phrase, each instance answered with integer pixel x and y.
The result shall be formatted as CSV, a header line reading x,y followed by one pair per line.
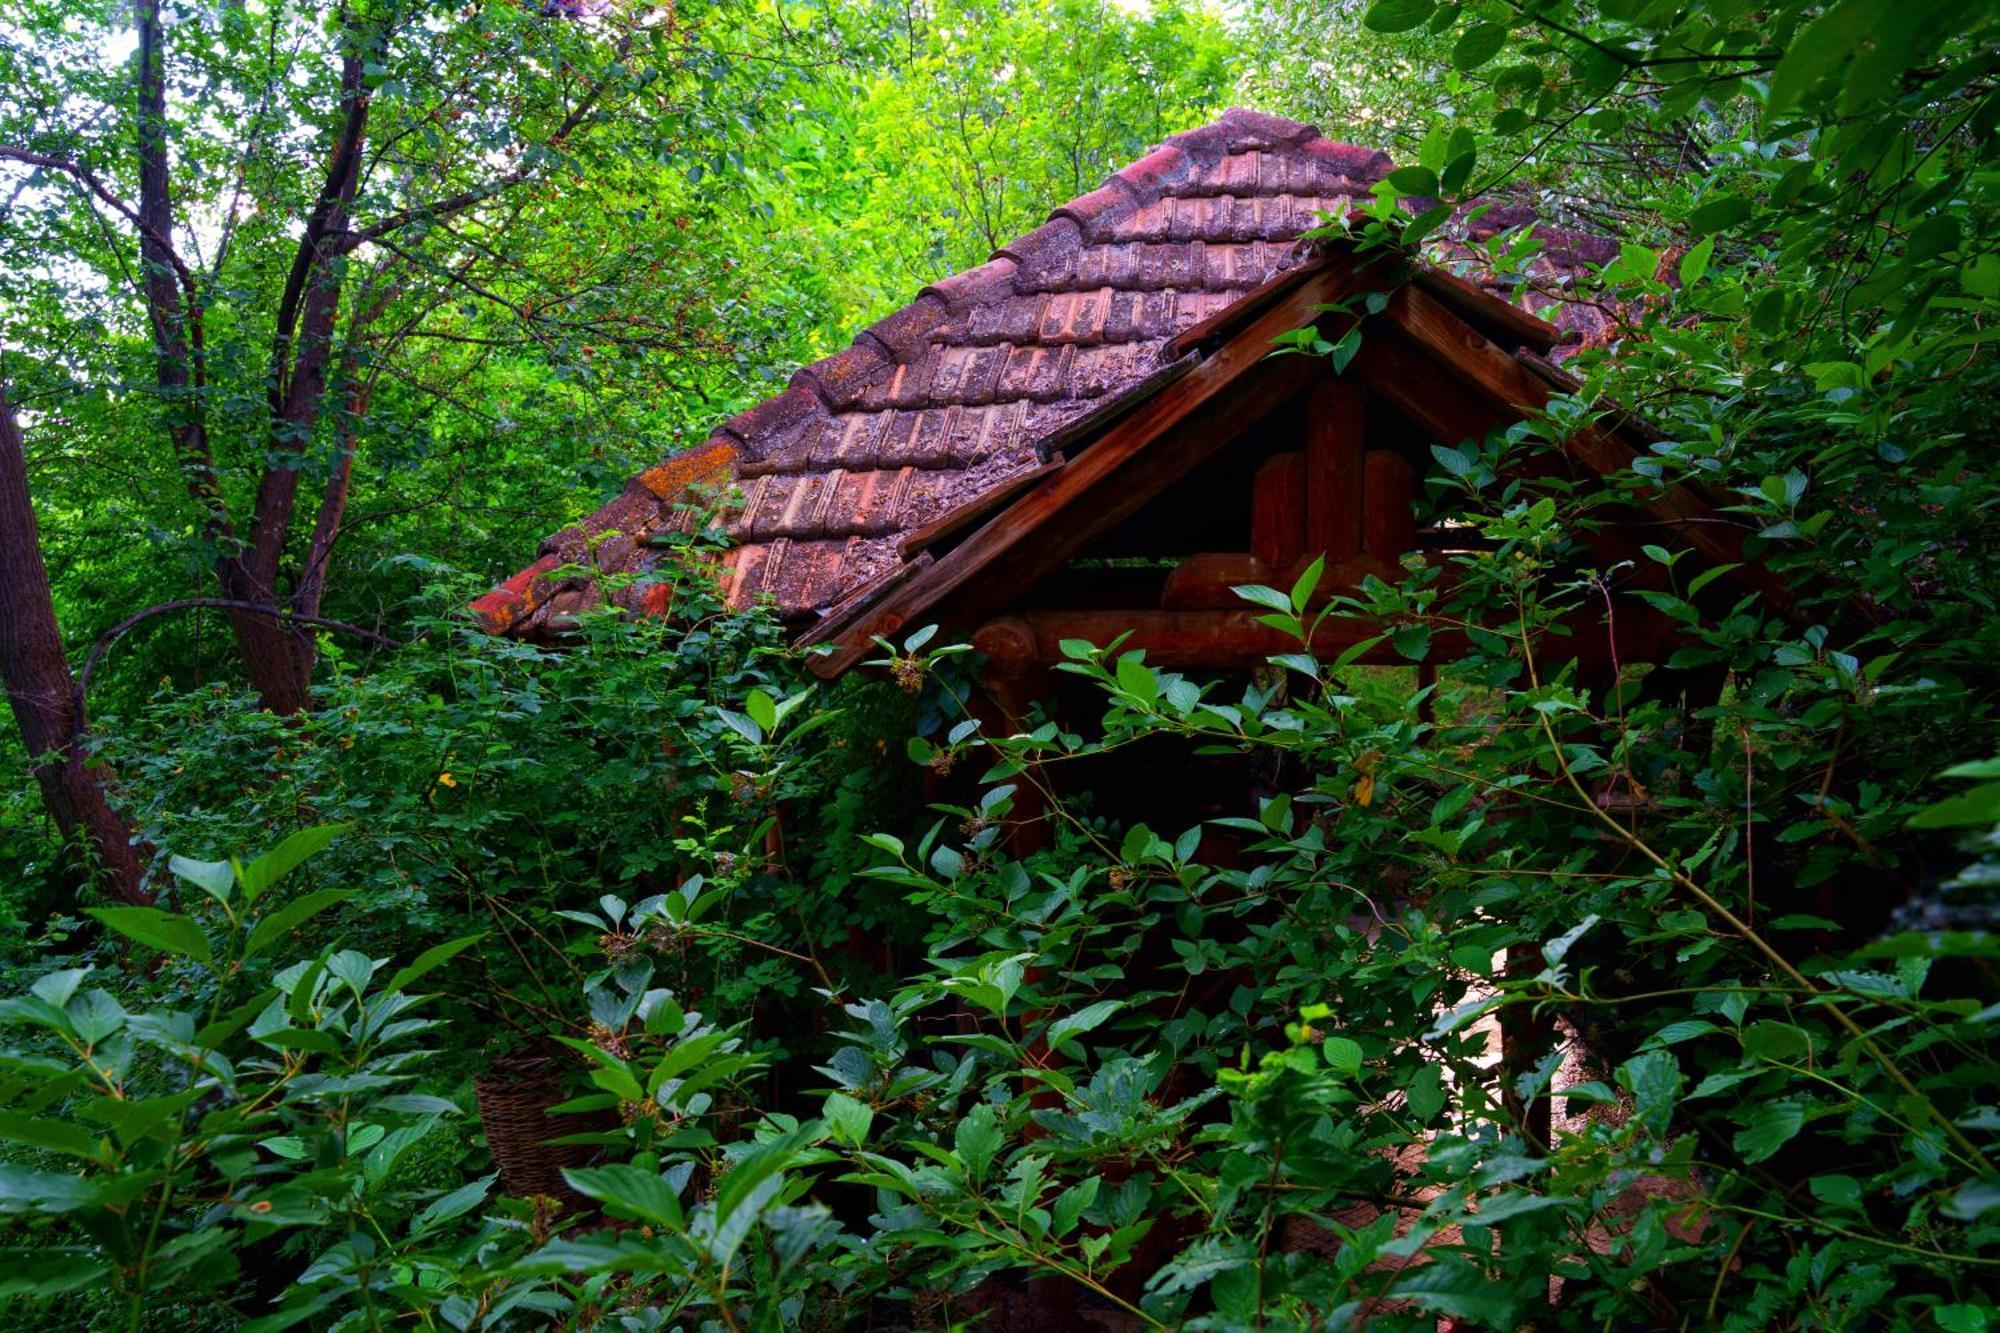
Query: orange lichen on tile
x,y
708,464
513,599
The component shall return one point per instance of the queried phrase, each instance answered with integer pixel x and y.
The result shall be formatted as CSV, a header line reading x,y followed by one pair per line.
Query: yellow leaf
x,y
447,780
1364,790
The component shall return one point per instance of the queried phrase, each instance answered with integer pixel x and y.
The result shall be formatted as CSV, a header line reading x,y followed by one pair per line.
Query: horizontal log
x,y
1208,581
1210,639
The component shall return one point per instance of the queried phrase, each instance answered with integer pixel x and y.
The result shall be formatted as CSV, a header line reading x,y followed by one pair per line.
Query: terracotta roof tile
x,y
953,394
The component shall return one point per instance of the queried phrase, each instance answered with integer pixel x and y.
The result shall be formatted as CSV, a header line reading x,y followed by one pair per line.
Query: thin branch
x,y
89,180
137,618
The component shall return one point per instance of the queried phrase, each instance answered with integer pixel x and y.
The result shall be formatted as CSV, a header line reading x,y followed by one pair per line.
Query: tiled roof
x,y
962,390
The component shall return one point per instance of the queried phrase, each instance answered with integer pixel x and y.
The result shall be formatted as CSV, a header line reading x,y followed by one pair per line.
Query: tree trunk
x,y
43,696
278,657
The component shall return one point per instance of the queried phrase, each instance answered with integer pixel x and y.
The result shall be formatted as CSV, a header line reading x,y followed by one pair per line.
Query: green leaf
x,y
1981,277
54,1135
848,1118
1718,215
684,1056
976,1141
761,1163
1497,1208
1397,15
27,1191
455,1204
1342,1055
1137,679
1694,264
1259,595
1071,1204
1082,1021
1459,464
1772,1040
431,959
1770,1126
1478,44
281,860
276,925
215,878
167,932
1654,1078
632,1192
1836,1190
1962,1318
1425,223
1819,49
1418,181
1426,1093
1975,808
763,710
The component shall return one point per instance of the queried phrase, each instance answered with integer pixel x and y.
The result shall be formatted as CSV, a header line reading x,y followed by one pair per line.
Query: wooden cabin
x,y
1089,435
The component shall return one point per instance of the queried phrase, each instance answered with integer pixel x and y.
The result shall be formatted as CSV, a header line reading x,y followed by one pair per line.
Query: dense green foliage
x,y
849,1062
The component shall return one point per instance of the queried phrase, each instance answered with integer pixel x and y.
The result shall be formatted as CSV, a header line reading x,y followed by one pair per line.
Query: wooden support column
x,y
1388,528
1016,675
1278,510
1335,476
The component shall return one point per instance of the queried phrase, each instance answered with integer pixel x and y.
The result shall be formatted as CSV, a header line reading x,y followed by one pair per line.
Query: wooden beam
x,y
1502,321
1335,414
1110,479
1215,640
957,520
1278,510
1504,382
1238,314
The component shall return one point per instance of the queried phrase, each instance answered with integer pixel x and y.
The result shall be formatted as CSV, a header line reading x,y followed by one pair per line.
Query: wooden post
x,y
1278,510
1388,528
1335,481
1014,678
1525,1038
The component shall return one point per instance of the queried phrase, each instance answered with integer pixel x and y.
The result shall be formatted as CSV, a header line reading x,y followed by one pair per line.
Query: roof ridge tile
x,y
1151,174
1060,232
756,428
905,332
961,291
838,379
1094,212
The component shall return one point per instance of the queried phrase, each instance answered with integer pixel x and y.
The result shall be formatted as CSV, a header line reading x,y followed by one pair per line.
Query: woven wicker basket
x,y
514,1097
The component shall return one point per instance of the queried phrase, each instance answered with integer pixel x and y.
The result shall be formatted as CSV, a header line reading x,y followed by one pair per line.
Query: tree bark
x,y
39,688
